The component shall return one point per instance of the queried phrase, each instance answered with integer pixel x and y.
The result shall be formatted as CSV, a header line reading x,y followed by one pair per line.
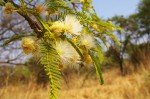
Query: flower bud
x,y
8,8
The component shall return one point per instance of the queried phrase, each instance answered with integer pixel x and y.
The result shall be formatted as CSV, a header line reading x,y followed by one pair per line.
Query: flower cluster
x,y
29,46
71,25
69,28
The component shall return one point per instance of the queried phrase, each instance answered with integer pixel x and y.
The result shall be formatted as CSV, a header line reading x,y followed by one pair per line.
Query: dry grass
x,y
133,86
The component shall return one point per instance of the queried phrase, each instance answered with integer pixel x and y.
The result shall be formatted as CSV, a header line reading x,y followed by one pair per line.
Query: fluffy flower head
x,y
72,25
87,41
29,45
66,52
57,28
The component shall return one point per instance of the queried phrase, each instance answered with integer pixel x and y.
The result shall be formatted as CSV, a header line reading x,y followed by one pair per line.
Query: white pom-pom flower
x,y
87,41
67,53
57,28
72,25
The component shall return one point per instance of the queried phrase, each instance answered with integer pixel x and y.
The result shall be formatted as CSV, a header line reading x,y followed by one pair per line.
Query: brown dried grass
x,y
133,86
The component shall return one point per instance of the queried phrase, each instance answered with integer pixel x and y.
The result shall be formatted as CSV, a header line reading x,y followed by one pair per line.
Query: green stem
x,y
76,48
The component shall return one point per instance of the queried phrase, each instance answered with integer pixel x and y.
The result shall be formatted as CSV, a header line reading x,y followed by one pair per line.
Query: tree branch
x,y
33,24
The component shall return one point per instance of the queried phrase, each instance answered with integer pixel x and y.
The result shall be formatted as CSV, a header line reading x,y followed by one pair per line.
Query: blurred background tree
x,y
135,39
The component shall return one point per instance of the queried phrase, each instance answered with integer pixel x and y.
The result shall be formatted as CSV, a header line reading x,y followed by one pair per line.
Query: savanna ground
x,y
131,86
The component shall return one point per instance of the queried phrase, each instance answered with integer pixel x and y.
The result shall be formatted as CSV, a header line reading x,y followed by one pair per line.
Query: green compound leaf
x,y
96,65
57,5
50,59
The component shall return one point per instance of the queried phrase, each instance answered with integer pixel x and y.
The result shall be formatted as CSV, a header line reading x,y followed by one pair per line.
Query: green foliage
x,y
143,16
50,59
96,64
58,5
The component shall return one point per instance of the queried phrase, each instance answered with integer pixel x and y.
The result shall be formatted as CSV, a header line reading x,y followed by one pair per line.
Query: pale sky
x,y
108,8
